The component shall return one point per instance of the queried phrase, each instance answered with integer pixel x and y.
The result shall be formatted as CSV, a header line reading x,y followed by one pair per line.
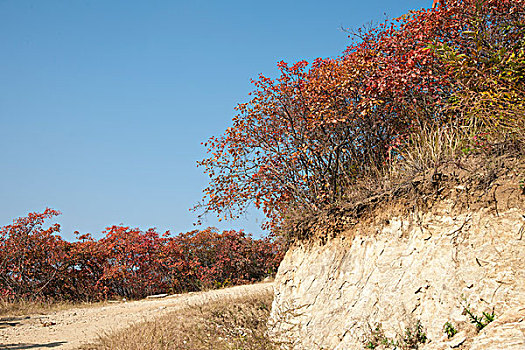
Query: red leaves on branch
x,y
306,137
31,255
36,262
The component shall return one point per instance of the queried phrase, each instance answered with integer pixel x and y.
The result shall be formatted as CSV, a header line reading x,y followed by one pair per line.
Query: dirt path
x,y
74,327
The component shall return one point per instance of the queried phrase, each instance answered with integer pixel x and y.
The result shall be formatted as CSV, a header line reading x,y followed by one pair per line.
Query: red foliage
x,y
36,262
32,256
309,135
230,257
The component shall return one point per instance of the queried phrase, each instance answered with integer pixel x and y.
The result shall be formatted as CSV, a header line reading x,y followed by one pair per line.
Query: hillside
x,y
411,265
395,173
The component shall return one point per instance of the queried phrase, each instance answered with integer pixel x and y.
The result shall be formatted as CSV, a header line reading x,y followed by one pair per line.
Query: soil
x,y
475,182
72,328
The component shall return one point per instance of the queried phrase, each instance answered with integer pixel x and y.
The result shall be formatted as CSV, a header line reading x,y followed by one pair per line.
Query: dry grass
x,y
29,307
432,165
429,148
237,323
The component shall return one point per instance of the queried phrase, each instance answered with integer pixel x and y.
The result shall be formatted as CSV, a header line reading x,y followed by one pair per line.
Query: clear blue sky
x,y
104,103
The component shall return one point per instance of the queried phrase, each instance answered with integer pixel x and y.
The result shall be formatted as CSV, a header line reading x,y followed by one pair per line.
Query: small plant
x,y
412,338
370,345
479,321
449,330
466,150
377,337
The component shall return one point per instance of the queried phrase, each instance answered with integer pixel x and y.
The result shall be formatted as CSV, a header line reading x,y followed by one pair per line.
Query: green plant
x,y
370,345
377,337
413,336
479,321
466,150
449,329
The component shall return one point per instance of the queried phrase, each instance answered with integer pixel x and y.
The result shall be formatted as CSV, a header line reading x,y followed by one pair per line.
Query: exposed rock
x,y
423,267
157,296
457,340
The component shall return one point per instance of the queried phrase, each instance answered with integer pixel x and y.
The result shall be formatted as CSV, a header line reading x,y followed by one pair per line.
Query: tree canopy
x,y
307,136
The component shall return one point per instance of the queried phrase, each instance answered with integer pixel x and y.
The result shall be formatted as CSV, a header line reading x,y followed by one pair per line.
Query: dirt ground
x,y
71,328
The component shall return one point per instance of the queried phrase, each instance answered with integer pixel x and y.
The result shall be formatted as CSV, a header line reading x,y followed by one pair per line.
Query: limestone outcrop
x,y
369,284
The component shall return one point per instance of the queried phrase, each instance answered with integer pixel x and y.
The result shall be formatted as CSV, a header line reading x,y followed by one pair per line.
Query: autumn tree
x,y
307,137
31,255
36,263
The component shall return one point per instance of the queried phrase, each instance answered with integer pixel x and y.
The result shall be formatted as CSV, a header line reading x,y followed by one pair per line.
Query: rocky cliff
x,y
396,279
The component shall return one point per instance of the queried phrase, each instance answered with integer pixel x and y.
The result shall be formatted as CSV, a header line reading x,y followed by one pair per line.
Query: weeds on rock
x,y
449,330
413,337
377,337
479,321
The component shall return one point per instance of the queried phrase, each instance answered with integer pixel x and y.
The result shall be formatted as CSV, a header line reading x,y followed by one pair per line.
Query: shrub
x,y
36,263
32,258
308,137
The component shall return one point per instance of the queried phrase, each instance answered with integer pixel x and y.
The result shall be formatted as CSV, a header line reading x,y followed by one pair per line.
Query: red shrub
x,y
32,258
227,258
305,138
35,262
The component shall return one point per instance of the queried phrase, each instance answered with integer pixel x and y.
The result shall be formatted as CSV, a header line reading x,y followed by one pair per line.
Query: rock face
x,y
423,268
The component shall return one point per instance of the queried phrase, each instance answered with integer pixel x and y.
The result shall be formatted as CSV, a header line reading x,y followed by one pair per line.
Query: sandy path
x,y
71,328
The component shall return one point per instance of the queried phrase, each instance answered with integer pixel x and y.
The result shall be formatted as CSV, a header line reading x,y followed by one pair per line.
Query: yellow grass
x,y
29,307
236,323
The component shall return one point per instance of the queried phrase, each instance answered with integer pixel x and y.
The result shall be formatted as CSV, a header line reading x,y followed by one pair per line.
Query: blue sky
x,y
104,103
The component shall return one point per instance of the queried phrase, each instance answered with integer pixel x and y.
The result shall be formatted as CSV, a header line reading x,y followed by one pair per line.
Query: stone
x,y
457,340
331,296
156,296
